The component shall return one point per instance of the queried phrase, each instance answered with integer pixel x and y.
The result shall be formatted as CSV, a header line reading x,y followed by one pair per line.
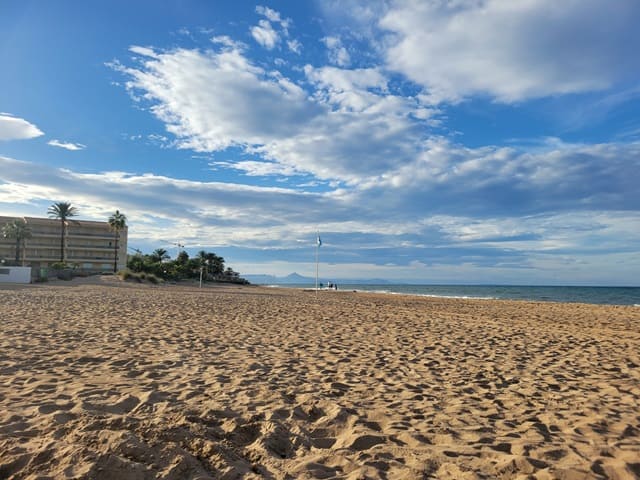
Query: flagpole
x,y
317,256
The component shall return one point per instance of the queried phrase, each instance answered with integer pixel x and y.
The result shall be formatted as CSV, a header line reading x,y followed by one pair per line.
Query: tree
x,y
159,255
182,258
230,273
215,264
202,257
62,211
209,264
117,222
20,231
136,263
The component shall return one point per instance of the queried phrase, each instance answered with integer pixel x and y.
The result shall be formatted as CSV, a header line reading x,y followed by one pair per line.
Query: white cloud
x,y
338,79
205,213
499,179
347,146
255,168
265,35
295,46
225,41
26,194
144,51
338,54
66,145
213,100
273,16
14,128
353,130
512,51
237,205
350,90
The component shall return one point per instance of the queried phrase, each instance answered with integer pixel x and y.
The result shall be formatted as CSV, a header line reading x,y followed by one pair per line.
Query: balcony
x,y
69,259
90,247
105,235
34,246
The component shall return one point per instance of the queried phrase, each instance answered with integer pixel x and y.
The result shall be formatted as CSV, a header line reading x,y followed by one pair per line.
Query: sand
x,y
119,381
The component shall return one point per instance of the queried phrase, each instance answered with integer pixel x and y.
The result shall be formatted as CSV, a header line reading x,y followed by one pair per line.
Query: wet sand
x,y
122,381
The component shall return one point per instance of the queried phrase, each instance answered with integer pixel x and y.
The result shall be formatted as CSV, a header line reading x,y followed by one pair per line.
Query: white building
x,y
89,246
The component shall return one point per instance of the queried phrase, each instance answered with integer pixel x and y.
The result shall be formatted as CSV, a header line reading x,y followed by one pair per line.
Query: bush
x,y
59,266
138,277
129,275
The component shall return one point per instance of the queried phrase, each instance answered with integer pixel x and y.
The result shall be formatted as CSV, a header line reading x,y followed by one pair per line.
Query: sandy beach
x,y
124,381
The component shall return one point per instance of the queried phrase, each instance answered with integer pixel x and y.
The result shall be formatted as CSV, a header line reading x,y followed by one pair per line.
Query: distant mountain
x,y
273,280
295,278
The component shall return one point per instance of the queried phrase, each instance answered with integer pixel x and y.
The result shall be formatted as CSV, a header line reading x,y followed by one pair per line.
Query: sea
x,y
562,294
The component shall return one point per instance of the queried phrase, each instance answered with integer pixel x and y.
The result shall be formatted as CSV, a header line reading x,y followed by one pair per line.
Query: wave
x,y
432,295
562,294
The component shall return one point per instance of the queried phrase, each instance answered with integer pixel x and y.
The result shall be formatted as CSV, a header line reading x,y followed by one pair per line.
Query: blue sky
x,y
466,141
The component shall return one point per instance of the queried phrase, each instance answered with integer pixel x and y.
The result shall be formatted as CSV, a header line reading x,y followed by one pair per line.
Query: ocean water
x,y
594,295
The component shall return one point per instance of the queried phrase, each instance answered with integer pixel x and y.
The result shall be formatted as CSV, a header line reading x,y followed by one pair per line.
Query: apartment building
x,y
90,246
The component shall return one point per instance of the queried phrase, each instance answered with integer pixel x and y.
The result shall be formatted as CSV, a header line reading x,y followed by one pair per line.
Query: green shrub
x,y
138,277
59,266
125,274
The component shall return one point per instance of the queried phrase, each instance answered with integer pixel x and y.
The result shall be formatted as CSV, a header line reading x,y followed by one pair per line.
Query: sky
x,y
432,141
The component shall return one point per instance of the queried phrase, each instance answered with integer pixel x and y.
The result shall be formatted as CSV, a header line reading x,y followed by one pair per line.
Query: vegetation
x,y
160,255
158,263
138,277
20,231
62,211
60,266
117,222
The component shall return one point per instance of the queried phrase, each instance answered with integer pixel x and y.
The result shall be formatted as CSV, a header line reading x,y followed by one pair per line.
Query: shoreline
x,y
410,290
132,381
114,280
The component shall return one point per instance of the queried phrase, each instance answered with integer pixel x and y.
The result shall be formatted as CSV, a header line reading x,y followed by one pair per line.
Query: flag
x,y
319,241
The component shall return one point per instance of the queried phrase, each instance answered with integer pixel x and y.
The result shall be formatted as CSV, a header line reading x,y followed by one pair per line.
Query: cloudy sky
x,y
435,141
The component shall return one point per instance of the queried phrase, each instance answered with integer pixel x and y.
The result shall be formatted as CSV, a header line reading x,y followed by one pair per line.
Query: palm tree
x,y
62,211
117,222
216,264
20,231
159,255
202,257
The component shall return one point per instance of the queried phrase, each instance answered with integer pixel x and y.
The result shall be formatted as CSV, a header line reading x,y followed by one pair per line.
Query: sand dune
x,y
138,382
